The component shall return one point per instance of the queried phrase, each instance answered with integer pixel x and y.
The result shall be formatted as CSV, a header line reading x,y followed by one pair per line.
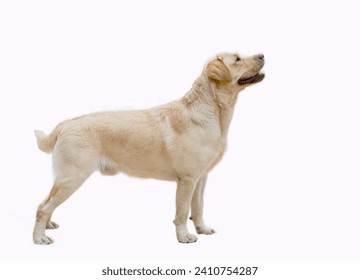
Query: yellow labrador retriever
x,y
180,141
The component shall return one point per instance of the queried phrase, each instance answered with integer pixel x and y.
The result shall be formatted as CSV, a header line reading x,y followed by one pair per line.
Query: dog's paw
x,y
187,238
205,230
43,240
51,225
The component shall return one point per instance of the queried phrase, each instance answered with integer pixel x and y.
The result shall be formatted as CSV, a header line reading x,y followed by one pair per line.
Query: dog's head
x,y
234,72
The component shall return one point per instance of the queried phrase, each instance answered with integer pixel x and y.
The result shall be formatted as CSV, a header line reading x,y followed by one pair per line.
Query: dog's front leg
x,y
197,207
184,193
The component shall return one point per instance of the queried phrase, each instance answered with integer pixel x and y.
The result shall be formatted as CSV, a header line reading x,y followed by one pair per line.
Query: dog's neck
x,y
211,101
226,104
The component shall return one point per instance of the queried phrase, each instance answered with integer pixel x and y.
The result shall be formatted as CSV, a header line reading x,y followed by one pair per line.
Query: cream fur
x,y
180,141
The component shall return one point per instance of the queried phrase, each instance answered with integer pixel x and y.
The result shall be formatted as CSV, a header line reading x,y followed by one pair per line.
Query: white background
x,y
288,186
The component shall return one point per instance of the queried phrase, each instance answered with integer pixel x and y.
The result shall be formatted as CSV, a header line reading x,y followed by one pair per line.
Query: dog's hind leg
x,y
65,185
197,207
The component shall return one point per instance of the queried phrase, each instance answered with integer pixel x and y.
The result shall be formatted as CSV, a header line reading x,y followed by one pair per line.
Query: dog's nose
x,y
261,56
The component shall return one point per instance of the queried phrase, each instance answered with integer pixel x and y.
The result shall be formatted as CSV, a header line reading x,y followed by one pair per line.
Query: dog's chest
x,y
213,153
211,146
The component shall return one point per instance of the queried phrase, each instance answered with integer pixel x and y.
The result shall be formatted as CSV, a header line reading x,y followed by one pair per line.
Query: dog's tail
x,y
45,142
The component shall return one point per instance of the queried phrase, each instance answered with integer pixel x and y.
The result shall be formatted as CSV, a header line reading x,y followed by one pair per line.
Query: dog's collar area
x,y
254,79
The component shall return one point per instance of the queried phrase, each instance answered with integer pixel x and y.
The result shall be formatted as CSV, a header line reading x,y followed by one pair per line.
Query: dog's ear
x,y
217,71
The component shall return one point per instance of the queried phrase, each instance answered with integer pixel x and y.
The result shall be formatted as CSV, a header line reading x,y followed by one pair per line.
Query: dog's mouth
x,y
252,80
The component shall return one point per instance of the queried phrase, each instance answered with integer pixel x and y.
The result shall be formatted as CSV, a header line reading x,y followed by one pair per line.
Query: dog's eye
x,y
237,59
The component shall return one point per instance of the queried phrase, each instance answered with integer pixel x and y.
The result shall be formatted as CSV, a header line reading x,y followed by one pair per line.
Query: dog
x,y
179,141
